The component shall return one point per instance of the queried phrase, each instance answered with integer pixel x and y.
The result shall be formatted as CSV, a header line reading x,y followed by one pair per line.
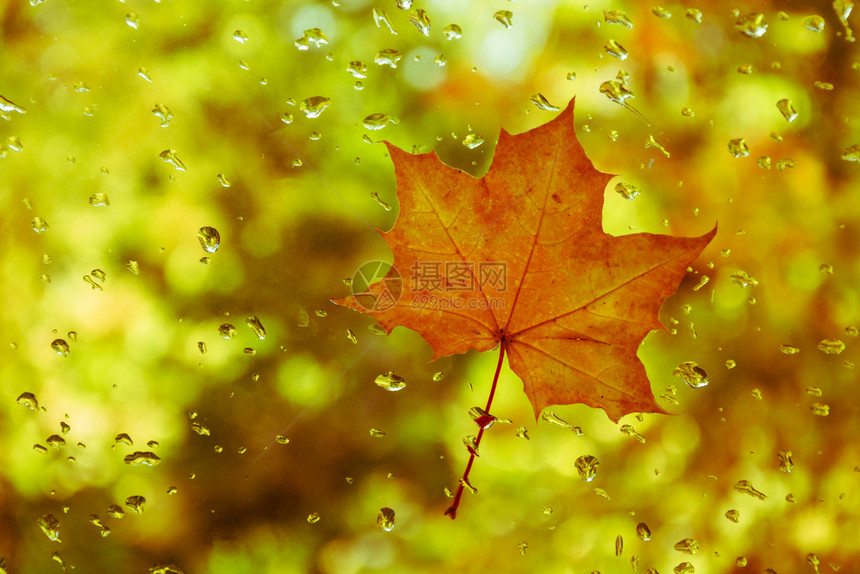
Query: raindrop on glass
x,y
420,20
163,113
169,156
60,347
390,381
379,120
453,32
314,106
752,25
209,238
387,57
627,190
385,519
587,465
504,17
694,375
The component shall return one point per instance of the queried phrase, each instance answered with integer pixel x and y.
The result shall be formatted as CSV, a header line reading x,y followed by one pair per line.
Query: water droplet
x,y
746,487
132,20
522,432
743,279
382,203
303,318
227,331
152,444
385,519
661,12
380,18
787,109
643,532
482,418
387,57
50,526
142,458
752,25
200,428
169,156
587,465
60,347
209,238
314,106
420,20
390,381
357,69
785,163
7,106
256,326
222,179
693,375
56,442
831,346
549,416
617,17
695,15
630,431
733,515
281,439
785,462
135,503
504,17
542,103
310,36
240,36
851,153
403,4
655,144
123,438
613,48
815,23
452,32
115,511
14,143
100,276
351,336
813,561
313,518
472,141
39,225
377,433
687,546
28,400
820,409
99,199
163,113
739,148
684,567
379,120
287,118
438,376
789,349
627,190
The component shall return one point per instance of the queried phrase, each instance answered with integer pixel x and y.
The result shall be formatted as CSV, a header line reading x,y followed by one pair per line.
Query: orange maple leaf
x,y
519,258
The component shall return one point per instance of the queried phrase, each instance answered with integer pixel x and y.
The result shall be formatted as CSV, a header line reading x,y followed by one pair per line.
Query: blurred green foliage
x,y
292,203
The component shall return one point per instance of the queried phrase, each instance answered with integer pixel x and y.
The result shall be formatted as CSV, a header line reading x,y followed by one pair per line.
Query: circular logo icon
x,y
377,285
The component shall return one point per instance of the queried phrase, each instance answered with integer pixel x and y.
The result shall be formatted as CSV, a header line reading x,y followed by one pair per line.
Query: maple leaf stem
x,y
451,511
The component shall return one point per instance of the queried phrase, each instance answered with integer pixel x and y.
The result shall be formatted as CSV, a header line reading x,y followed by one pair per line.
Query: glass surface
x,y
185,185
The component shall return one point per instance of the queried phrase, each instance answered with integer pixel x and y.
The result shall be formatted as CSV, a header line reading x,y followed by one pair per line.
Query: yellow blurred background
x,y
127,126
